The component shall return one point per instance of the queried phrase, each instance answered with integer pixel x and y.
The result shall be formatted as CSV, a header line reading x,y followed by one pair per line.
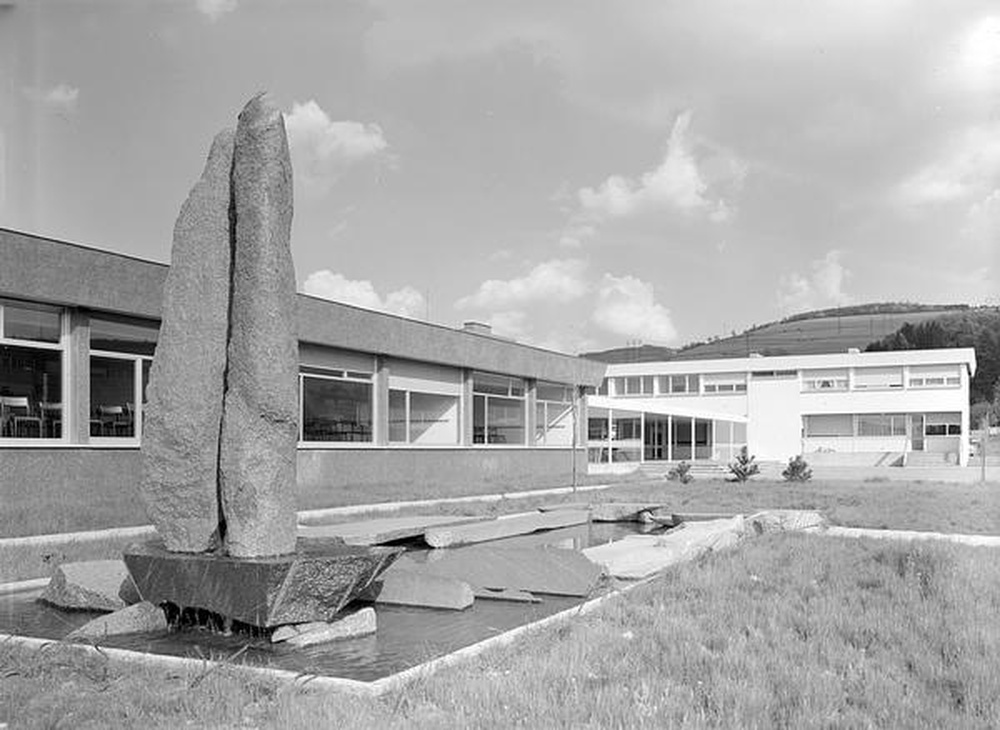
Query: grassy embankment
x,y
787,631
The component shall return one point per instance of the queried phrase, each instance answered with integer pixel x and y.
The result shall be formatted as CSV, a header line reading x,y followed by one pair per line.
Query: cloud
x,y
60,98
323,149
627,306
406,302
215,9
979,56
968,166
512,324
678,183
558,280
823,286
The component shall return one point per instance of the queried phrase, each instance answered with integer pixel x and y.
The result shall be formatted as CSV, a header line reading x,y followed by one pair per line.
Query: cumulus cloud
x,y
60,98
822,286
322,149
678,182
968,166
407,302
215,9
627,306
558,280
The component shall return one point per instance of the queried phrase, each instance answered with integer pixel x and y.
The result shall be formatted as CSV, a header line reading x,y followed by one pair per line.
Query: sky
x,y
577,173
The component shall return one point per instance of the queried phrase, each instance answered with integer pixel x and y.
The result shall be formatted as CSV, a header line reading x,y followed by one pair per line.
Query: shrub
x,y
681,472
797,470
744,467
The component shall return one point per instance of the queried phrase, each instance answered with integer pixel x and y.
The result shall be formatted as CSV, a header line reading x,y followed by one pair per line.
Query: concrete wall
x,y
47,490
774,431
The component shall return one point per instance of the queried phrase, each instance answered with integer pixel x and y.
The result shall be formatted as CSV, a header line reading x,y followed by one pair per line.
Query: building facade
x,y
853,408
390,407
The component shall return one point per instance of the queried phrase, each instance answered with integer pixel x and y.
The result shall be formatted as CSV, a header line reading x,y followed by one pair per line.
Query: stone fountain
x,y
221,424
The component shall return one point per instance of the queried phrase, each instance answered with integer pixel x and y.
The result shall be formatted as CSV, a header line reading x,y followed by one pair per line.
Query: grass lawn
x,y
934,506
785,631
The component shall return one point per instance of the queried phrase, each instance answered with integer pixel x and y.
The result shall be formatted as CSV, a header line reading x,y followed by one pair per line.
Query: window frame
x,y
337,375
62,347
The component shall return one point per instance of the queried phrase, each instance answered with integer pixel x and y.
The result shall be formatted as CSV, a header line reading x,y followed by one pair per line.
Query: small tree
x,y
797,470
744,467
681,472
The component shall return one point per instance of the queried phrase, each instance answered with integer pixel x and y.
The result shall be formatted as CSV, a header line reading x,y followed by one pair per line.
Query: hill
x,y
809,333
977,328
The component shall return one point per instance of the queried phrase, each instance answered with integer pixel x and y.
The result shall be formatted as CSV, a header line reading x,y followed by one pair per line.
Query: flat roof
x,y
943,356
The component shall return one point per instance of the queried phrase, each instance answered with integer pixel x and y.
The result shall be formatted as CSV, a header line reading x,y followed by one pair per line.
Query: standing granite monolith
x,y
260,413
180,439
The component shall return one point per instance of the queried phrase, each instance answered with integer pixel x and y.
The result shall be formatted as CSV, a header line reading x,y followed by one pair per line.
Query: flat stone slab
x,y
359,623
93,585
137,618
785,520
402,587
662,516
564,505
639,556
680,517
506,594
289,631
312,584
501,527
621,511
554,571
388,529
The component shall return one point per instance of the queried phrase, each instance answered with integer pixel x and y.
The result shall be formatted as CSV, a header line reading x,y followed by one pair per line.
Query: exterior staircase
x,y
929,458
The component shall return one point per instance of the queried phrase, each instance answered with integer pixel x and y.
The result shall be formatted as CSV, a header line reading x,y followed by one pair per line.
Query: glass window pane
x,y
693,385
597,428
25,323
30,393
112,397
678,384
433,418
504,421
120,336
555,424
397,417
479,419
553,392
336,410
487,383
839,424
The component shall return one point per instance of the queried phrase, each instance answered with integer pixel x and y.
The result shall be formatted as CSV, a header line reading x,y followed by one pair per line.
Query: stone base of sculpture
x,y
312,584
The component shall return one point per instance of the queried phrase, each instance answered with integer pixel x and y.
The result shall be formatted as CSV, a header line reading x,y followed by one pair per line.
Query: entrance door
x,y
655,446
917,432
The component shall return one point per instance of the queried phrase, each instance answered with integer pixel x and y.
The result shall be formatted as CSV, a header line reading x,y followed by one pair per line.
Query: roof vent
x,y
477,328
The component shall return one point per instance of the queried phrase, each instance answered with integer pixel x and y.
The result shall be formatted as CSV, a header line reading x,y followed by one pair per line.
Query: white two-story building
x,y
852,408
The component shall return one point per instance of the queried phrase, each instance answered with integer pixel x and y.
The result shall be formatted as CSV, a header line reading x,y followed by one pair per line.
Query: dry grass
x,y
787,631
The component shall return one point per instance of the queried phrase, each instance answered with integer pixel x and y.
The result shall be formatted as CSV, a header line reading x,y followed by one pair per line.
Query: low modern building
x,y
390,407
852,408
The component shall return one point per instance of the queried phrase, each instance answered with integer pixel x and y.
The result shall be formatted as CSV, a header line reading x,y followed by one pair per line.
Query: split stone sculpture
x,y
219,442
